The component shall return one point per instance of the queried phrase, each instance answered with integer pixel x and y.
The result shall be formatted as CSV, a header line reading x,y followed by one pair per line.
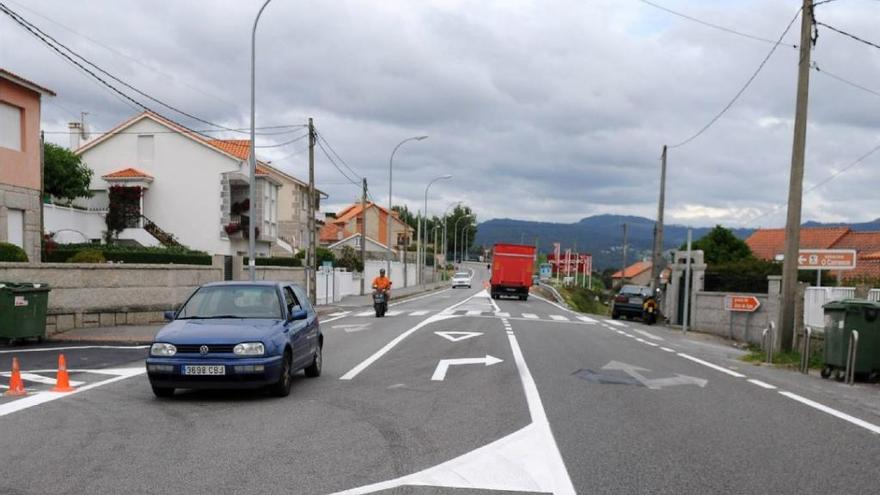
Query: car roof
x,y
257,283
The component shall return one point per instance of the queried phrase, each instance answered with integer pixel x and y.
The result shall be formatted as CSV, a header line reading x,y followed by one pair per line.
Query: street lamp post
x,y
390,170
423,261
455,238
252,159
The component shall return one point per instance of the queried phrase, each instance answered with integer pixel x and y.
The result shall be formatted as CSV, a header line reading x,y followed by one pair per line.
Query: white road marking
x,y
621,332
558,318
443,315
336,318
365,313
71,348
834,412
394,313
587,319
615,323
554,304
404,301
31,377
639,339
647,334
473,312
453,336
713,366
419,313
761,384
651,344
655,383
353,327
44,397
530,316
502,314
340,313
444,364
668,349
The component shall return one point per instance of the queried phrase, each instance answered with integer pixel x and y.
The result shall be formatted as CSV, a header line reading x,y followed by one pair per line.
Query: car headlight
x,y
165,350
249,349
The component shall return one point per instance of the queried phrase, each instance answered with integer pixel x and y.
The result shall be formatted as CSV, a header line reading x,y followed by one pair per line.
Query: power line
x,y
860,40
322,138
742,90
338,168
715,26
815,67
300,138
199,131
45,38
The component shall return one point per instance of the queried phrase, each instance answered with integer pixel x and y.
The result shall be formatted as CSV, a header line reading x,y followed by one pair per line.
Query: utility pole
x,y
313,237
657,256
419,247
687,285
363,234
796,185
623,270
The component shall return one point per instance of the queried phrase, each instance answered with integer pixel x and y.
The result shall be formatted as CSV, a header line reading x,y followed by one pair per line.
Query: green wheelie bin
x,y
23,310
841,318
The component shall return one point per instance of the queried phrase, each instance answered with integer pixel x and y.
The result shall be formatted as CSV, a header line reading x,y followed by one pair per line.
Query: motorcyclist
x,y
383,284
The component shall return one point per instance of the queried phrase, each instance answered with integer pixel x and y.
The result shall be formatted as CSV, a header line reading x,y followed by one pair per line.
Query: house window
x,y
15,227
146,150
270,210
357,242
305,200
10,127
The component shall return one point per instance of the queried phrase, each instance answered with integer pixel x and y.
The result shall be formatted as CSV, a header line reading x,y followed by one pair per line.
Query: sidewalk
x,y
143,334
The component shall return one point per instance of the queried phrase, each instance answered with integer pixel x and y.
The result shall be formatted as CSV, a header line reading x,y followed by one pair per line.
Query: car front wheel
x,y
314,370
281,388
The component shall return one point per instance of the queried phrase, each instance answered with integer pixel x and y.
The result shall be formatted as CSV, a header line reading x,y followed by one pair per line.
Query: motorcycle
x,y
380,303
649,311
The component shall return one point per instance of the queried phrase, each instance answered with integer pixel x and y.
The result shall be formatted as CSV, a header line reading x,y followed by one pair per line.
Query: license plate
x,y
635,300
204,370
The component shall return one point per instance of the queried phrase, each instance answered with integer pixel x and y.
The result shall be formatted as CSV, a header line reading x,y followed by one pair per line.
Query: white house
x,y
193,189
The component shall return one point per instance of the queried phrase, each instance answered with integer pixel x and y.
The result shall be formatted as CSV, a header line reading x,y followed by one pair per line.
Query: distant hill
x,y
873,225
601,235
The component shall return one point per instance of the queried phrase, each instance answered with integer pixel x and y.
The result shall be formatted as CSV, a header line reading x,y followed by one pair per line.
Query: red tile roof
x,y
128,173
860,241
240,148
332,232
767,243
633,270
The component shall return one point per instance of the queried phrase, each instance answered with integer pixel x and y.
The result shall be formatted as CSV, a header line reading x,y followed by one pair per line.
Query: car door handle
x,y
286,329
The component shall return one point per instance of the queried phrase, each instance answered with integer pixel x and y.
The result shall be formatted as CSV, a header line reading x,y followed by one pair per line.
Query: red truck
x,y
512,268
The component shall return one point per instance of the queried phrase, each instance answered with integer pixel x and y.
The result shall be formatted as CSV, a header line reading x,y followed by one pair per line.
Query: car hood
x,y
226,331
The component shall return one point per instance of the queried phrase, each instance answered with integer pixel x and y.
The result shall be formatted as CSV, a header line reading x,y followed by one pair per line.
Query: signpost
x,y
744,304
826,259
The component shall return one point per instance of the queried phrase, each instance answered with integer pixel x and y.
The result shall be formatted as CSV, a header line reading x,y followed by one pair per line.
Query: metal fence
x,y
874,295
816,297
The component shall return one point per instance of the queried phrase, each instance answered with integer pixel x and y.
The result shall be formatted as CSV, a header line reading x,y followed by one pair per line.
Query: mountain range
x,y
602,235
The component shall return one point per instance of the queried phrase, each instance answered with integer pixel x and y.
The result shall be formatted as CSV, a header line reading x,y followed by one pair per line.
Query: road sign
x,y
827,259
746,304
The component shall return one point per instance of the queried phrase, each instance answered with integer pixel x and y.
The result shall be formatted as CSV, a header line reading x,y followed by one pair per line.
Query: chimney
x,y
75,134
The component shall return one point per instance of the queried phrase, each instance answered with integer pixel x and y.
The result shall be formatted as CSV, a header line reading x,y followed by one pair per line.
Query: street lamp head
x,y
421,138
447,176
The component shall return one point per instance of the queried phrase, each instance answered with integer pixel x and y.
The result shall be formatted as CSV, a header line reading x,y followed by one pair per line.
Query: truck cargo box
x,y
512,267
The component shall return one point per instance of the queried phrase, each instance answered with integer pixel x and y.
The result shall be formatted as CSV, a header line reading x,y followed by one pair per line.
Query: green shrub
x,y
11,252
130,254
88,256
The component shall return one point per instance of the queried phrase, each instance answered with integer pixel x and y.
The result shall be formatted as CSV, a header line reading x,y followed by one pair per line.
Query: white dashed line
x,y
530,316
668,349
365,313
834,412
587,319
647,334
713,366
615,323
761,384
419,313
651,344
621,332
474,312
558,318
394,313
639,339
502,314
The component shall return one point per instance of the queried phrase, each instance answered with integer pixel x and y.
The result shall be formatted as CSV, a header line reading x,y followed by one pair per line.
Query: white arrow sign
x,y
458,336
357,327
654,383
444,364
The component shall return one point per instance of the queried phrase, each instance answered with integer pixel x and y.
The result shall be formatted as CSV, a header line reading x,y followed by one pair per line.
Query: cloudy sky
x,y
543,110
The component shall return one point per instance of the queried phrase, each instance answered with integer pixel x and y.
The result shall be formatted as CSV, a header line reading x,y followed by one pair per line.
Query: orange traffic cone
x,y
62,383
16,386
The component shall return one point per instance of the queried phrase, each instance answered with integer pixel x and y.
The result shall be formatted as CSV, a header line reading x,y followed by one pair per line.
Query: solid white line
x,y
558,318
713,366
668,349
530,316
647,334
761,384
404,301
834,412
390,345
554,304
50,349
31,377
615,323
43,397
419,313
341,317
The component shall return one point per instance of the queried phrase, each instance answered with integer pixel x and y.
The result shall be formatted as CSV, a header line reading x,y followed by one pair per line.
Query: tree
x,y
720,246
65,176
465,225
350,259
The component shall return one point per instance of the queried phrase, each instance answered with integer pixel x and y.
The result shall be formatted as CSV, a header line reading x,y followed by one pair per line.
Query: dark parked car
x,y
237,335
629,301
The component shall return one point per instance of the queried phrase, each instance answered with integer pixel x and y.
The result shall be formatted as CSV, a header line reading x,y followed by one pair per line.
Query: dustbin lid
x,y
849,303
23,285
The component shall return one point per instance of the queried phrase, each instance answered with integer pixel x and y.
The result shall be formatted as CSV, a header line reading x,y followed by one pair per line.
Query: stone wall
x,y
710,316
27,200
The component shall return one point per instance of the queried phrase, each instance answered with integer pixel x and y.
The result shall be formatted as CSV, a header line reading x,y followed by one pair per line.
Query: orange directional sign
x,y
827,259
747,304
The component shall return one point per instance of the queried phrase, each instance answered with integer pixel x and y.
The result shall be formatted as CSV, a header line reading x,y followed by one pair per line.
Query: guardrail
x,y
805,351
555,293
851,353
767,341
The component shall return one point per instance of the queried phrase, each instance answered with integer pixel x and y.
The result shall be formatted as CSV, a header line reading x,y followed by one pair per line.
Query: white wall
x,y
184,198
816,297
372,271
69,221
333,288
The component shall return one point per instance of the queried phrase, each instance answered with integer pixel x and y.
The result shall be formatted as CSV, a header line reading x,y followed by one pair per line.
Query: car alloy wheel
x,y
282,386
314,370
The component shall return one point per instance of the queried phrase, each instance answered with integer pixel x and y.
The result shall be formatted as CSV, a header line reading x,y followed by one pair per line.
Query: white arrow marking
x,y
655,383
356,327
458,336
444,364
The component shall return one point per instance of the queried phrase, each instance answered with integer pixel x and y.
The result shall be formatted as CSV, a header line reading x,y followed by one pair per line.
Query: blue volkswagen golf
x,y
237,335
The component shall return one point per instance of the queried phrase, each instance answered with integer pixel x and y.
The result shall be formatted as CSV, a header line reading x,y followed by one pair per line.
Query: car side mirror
x,y
169,315
299,314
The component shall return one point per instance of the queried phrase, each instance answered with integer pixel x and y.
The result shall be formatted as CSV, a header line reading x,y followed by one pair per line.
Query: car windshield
x,y
233,301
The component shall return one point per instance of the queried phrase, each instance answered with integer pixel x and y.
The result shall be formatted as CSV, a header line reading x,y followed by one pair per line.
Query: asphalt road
x,y
542,400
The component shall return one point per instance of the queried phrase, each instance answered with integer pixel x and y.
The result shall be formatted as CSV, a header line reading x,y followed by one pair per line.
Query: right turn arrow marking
x,y
444,364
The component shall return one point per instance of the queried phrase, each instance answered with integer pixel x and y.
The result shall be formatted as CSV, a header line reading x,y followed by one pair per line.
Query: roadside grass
x,y
781,359
585,300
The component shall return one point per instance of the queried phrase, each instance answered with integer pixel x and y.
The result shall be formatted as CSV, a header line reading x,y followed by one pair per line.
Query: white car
x,y
461,279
